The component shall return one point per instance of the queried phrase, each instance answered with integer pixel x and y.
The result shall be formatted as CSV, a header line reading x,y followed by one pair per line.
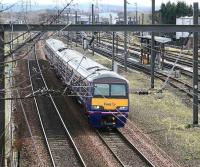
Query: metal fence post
x,y
195,67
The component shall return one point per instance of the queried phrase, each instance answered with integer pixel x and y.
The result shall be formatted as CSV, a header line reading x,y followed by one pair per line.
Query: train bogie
x,y
99,120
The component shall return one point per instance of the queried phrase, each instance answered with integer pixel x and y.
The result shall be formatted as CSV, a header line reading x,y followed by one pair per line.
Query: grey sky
x,y
114,2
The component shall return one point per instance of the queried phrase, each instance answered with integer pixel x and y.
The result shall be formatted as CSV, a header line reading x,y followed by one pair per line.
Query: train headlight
x,y
123,108
96,107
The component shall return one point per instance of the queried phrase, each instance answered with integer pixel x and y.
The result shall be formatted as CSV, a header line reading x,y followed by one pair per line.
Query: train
x,y
104,94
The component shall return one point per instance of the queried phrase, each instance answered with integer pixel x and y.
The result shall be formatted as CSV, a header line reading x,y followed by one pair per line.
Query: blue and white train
x,y
103,93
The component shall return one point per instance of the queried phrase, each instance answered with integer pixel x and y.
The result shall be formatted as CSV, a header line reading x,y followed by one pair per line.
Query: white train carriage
x,y
103,93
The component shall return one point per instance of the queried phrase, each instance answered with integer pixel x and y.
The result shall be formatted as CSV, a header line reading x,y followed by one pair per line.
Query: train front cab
x,y
109,105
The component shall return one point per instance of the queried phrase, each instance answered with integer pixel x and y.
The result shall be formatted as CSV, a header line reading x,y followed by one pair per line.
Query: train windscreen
x,y
110,90
117,90
101,90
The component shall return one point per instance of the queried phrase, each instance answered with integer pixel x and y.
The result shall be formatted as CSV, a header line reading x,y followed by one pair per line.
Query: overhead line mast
x,y
195,67
152,46
125,36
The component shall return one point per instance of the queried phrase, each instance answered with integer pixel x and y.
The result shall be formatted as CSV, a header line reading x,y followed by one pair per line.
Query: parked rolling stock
x,y
103,93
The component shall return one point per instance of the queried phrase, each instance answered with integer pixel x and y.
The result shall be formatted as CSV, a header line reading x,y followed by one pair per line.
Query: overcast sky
x,y
114,2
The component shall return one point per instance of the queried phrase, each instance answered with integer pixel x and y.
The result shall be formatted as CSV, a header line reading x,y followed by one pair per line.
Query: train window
x,y
101,90
118,90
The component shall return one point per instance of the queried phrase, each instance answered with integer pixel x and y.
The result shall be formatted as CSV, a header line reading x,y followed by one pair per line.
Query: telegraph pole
x,y
152,46
136,13
142,18
125,36
89,18
2,102
76,21
195,67
113,50
117,44
58,20
68,31
92,13
93,24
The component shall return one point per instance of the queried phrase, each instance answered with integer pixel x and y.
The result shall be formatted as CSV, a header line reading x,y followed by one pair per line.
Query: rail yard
x,y
99,84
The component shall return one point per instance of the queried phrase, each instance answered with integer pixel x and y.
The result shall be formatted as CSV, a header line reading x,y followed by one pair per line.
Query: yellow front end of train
x,y
109,105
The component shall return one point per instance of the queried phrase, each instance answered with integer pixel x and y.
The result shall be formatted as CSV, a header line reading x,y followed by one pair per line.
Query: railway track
x,y
135,52
122,149
169,56
133,65
180,85
61,147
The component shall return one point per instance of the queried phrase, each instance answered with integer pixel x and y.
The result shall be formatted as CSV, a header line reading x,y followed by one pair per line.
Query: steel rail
x,y
128,144
44,133
27,122
140,67
159,75
116,157
66,130
146,70
169,56
183,61
137,150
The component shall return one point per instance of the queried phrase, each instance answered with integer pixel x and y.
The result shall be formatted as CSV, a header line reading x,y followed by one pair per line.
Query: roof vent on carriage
x,y
61,49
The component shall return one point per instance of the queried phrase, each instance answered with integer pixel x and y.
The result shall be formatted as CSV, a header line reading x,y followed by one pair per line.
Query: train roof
x,y
157,39
88,68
